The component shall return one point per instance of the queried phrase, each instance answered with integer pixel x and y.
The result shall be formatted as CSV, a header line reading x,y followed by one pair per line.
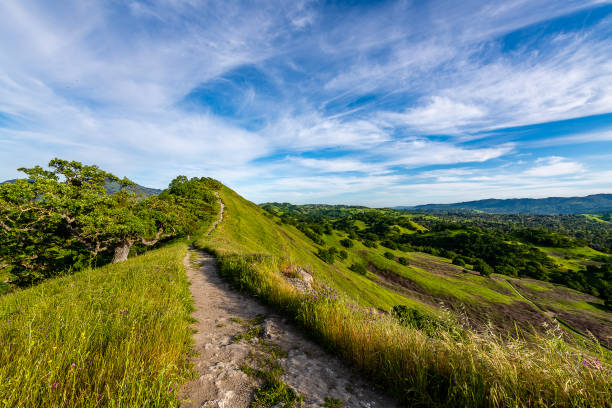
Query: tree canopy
x,y
63,217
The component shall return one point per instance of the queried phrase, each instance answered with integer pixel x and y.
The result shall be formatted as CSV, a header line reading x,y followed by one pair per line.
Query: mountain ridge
x,y
590,204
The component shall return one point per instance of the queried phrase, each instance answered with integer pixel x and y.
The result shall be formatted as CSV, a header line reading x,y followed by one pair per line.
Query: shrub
x,y
327,255
403,260
347,243
359,268
483,267
389,255
389,244
458,261
370,244
342,254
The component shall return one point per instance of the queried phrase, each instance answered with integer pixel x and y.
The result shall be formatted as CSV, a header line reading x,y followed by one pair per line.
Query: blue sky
x,y
376,103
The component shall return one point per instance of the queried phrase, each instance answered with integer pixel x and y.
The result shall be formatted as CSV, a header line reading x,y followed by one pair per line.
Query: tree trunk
x,y
121,252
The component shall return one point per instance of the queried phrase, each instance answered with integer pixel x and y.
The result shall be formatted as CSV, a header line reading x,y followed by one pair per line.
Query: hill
x,y
429,331
592,204
407,319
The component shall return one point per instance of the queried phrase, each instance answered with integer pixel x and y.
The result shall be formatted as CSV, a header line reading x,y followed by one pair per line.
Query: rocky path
x,y
223,314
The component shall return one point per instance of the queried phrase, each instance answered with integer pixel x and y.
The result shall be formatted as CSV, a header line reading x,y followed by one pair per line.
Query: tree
x,y
347,243
358,268
458,261
64,218
389,255
482,267
403,260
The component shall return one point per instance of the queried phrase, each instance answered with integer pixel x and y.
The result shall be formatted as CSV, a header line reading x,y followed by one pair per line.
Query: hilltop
x,y
591,204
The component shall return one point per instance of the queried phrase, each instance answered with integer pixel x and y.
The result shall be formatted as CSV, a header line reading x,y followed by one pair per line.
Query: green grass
x,y
247,229
539,287
333,403
474,370
595,217
571,258
114,336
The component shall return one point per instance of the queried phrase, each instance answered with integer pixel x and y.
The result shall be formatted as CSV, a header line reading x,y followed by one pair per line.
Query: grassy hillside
x,y
113,336
436,362
248,230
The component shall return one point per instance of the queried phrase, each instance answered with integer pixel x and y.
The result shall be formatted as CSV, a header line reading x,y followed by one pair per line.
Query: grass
x,y
572,258
114,336
333,403
474,371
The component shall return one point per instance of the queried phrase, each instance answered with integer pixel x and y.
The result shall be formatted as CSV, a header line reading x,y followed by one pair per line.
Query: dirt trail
x,y
221,209
221,313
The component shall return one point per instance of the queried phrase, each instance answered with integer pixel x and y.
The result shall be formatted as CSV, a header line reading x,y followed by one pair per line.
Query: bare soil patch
x,y
585,322
479,315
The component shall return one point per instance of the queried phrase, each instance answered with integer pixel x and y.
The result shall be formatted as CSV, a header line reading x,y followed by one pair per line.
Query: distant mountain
x,y
113,187
137,189
592,204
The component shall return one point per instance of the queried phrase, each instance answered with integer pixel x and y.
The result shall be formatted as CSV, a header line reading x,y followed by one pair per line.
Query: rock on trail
x,y
221,312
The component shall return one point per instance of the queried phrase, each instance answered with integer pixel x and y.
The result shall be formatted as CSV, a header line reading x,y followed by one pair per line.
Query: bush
x,y
327,255
389,244
389,255
342,254
370,244
403,260
347,243
483,267
359,268
458,261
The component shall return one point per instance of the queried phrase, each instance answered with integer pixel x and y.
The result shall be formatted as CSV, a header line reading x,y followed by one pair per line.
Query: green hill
x,y
592,204
431,333
452,348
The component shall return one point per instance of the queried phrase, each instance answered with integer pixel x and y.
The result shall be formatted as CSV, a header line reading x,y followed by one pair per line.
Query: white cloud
x,y
421,152
555,166
439,115
577,138
313,131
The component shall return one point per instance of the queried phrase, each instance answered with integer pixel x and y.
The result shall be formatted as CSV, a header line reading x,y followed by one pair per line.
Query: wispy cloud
x,y
555,166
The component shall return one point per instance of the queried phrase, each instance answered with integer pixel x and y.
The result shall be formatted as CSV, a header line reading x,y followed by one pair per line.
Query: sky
x,y
377,103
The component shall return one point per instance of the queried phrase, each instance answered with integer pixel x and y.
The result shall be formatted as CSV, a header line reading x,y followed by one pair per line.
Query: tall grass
x,y
472,370
114,336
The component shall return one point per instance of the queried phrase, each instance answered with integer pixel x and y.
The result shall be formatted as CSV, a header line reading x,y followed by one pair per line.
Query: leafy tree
x,y
342,254
403,260
347,243
389,255
65,218
458,261
483,267
358,268
328,255
370,244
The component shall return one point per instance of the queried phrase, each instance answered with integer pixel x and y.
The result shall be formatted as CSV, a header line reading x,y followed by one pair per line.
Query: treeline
x,y
65,218
595,279
583,230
